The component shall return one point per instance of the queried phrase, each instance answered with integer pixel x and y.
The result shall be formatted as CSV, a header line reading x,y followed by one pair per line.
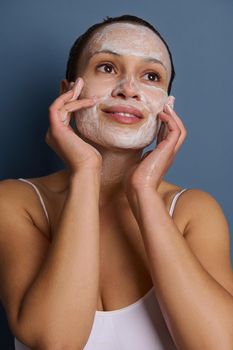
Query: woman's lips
x,y
124,109
124,114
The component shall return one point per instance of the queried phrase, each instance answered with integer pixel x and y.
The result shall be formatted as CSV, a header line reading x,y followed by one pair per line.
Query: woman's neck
x,y
115,167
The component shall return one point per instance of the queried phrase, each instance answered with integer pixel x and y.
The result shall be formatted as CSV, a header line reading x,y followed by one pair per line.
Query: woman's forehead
x,y
129,39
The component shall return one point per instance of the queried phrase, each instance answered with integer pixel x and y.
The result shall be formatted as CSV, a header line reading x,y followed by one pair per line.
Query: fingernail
x,y
78,86
76,83
171,101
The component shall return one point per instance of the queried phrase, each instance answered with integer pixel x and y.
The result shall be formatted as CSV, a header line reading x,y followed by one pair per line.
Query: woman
x,y
94,256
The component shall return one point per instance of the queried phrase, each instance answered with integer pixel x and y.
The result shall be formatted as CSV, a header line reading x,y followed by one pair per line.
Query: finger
x,y
180,125
164,130
78,104
77,88
68,96
173,130
65,114
170,111
61,100
160,136
169,122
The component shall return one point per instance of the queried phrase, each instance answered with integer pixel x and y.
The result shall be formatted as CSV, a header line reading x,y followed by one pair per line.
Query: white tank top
x,y
139,326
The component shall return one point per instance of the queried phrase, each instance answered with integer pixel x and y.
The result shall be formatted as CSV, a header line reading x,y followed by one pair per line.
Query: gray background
x,y
35,39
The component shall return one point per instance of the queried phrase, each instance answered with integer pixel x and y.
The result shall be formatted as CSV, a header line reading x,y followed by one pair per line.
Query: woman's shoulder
x,y
12,190
31,197
192,205
190,196
55,182
52,184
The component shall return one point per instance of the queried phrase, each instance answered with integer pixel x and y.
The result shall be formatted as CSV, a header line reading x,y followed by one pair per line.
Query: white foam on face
x,y
143,42
102,130
133,40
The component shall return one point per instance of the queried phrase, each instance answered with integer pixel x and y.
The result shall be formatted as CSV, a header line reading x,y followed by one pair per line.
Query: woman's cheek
x,y
86,90
96,85
155,97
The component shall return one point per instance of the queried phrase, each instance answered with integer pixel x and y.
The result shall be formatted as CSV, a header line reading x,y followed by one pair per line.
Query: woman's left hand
x,y
154,164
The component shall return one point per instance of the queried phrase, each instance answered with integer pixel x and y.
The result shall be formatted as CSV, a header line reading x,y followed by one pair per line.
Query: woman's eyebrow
x,y
154,60
146,59
104,51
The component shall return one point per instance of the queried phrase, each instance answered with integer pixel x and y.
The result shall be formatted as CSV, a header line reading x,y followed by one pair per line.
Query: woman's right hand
x,y
75,152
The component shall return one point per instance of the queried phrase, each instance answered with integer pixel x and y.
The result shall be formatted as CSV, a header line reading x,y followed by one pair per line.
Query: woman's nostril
x,y
121,94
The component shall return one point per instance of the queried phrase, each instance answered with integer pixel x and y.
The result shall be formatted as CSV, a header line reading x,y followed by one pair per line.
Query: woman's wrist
x,y
142,191
140,199
87,175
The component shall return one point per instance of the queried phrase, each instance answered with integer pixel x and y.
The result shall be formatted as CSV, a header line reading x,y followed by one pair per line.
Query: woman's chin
x,y
113,136
115,143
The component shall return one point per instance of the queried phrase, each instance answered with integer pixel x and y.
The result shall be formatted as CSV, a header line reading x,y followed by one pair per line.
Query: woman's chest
x,y
124,270
124,265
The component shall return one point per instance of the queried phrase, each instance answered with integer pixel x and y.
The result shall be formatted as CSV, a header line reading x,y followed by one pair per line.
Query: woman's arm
x,y
60,304
50,290
54,288
197,308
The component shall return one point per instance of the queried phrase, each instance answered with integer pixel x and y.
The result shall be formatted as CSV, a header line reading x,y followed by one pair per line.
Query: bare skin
x,y
96,219
121,245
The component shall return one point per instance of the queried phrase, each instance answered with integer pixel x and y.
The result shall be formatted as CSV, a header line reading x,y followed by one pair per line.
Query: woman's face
x,y
128,68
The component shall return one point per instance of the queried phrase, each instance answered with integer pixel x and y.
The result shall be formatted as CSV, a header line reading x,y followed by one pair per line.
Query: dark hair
x,y
81,42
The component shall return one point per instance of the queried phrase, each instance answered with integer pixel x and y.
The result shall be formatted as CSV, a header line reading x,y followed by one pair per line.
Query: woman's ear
x,y
65,86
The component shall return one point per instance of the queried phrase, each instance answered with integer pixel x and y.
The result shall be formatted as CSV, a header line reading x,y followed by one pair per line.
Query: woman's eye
x,y
152,76
105,68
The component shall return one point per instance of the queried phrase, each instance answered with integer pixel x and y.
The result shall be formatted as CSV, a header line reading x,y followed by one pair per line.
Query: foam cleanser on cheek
x,y
97,127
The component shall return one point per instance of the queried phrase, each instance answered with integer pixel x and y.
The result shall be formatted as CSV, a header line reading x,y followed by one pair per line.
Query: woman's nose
x,y
127,88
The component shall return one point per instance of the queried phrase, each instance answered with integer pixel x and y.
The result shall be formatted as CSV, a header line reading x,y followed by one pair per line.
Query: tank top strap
x,y
172,207
39,195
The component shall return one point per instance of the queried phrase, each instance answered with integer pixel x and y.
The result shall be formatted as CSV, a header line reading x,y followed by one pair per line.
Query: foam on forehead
x,y
130,39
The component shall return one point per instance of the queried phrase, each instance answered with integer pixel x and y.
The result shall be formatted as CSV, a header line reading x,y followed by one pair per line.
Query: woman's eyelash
x,y
112,68
109,65
153,74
